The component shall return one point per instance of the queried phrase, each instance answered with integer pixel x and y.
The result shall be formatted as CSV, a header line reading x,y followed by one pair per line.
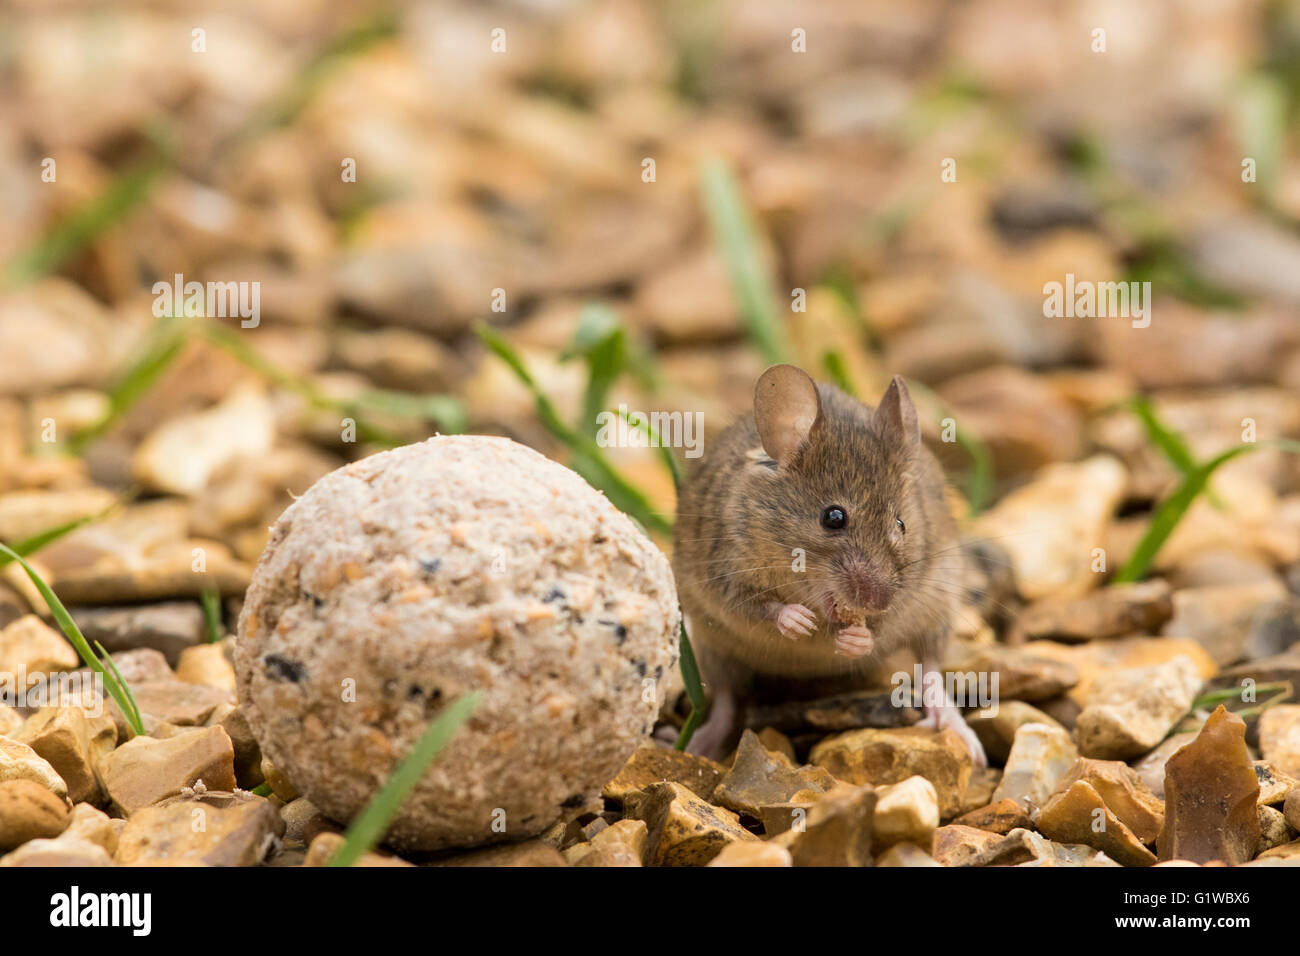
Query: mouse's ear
x,y
786,407
895,418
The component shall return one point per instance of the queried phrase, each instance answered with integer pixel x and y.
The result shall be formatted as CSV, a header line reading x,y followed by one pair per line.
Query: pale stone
x,y
206,664
906,854
20,762
325,845
1050,526
145,770
1279,737
1040,756
72,741
30,646
180,455
906,812
201,829
1130,711
94,826
753,854
61,851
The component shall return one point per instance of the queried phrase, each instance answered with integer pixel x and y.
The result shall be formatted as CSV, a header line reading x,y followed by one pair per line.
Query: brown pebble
x,y
1210,796
29,811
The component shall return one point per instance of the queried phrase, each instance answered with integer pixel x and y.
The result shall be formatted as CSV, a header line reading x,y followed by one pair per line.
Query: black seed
x,y
430,565
620,631
553,595
659,672
414,692
318,602
641,668
281,668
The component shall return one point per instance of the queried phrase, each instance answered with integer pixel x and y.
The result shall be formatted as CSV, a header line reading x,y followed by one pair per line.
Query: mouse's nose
x,y
867,588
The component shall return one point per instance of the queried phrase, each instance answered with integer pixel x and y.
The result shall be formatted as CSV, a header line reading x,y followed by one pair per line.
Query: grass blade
x,y
1215,697
164,343
211,599
67,238
694,689
134,717
601,341
369,826
837,371
290,101
29,546
113,681
1163,521
588,459
738,242
447,411
1172,509
665,453
1261,121
1164,438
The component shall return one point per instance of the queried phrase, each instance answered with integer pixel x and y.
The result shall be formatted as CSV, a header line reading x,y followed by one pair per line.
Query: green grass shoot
x,y
1195,480
211,600
588,459
446,410
738,242
131,187
167,339
163,343
694,689
837,372
1280,689
665,453
67,238
370,825
290,101
113,680
29,546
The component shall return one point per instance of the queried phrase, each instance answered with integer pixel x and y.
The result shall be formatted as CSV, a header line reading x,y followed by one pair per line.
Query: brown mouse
x,y
813,538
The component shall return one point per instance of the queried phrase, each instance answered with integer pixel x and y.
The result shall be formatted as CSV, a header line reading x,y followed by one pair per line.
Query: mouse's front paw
x,y
795,621
854,641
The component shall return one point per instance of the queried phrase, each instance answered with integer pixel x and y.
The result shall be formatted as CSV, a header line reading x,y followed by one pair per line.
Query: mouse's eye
x,y
834,518
902,528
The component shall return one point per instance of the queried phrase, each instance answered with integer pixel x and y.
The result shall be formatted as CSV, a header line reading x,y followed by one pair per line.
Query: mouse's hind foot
x,y
948,715
720,728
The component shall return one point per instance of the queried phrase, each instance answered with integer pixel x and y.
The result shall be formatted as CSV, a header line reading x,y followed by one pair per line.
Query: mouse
x,y
814,539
